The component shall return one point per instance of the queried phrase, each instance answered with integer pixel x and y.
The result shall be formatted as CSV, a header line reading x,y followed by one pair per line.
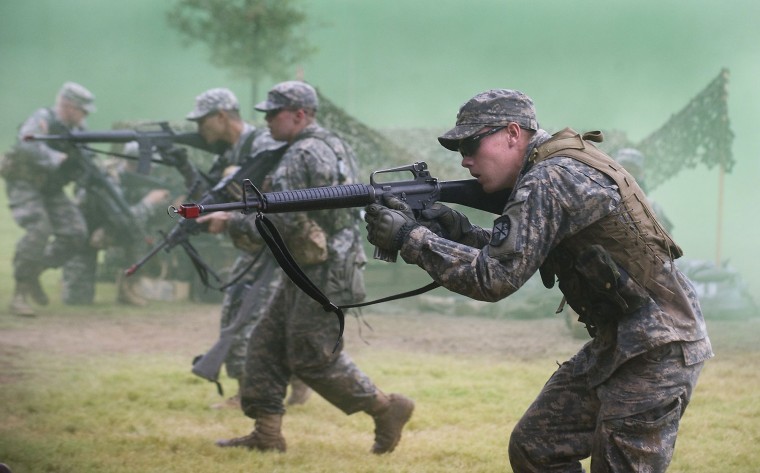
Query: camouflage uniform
x,y
297,336
296,321
79,273
255,272
35,174
620,398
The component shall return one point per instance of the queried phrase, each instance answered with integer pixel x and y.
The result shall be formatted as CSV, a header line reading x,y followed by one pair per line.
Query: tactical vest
x,y
631,236
334,220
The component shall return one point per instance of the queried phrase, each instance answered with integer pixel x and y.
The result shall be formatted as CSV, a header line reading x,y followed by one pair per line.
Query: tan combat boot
x,y
37,293
19,305
391,413
266,435
127,291
299,392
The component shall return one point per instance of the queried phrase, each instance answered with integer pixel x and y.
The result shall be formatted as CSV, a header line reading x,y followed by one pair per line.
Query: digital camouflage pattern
x,y
79,96
262,292
250,286
211,101
297,336
552,201
35,173
290,95
495,107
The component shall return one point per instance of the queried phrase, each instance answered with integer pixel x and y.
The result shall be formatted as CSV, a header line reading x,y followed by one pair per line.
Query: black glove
x,y
445,221
175,156
388,228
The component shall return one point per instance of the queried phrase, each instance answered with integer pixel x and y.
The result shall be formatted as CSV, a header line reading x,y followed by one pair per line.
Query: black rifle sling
x,y
276,244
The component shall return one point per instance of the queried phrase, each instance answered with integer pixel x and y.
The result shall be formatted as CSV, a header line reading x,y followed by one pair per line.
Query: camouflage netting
x,y
373,149
698,134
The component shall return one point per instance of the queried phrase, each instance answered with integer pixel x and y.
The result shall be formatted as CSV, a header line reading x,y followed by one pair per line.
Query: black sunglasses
x,y
469,146
269,114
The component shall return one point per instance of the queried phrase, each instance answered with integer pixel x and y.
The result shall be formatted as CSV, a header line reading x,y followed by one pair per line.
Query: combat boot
x,y
266,435
37,293
19,305
299,392
127,291
391,413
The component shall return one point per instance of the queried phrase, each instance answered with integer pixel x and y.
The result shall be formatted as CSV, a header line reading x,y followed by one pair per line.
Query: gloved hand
x,y
175,156
387,228
445,221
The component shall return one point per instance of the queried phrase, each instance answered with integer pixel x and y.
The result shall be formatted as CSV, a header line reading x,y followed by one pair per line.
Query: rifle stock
x,y
419,193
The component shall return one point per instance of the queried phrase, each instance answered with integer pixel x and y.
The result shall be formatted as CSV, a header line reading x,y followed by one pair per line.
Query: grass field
x,y
107,388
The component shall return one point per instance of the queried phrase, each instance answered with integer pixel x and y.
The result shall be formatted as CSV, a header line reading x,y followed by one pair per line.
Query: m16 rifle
x,y
254,168
420,192
162,141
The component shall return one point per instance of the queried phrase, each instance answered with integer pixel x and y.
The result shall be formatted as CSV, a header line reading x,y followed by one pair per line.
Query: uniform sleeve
x,y
41,155
553,201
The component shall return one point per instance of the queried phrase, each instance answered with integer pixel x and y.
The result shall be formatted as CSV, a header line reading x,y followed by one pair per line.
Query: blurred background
x,y
589,64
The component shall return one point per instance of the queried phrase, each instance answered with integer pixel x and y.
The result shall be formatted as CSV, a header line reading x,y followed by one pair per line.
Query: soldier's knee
x,y
519,458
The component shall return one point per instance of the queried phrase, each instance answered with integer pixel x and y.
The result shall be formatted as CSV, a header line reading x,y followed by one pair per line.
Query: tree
x,y
254,39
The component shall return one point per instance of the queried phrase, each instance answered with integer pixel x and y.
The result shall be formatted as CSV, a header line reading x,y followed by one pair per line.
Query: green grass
x,y
142,412
93,390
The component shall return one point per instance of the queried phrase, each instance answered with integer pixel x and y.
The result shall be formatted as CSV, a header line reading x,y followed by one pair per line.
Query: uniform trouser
x,y
265,283
297,338
43,216
627,424
78,277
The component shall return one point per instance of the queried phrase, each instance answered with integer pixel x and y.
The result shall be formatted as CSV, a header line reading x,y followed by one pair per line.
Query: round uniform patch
x,y
500,232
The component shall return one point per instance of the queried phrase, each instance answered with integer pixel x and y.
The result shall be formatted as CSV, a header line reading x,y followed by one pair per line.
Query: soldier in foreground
x,y
297,336
579,218
35,174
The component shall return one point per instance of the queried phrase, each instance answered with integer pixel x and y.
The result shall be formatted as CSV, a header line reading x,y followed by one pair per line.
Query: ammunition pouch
x,y
345,277
14,166
598,289
309,244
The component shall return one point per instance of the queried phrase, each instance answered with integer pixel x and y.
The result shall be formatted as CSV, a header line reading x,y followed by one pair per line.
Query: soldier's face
x,y
284,124
497,160
211,127
69,113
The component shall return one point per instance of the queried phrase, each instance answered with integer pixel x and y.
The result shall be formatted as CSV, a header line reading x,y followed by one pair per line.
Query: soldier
x,y
79,273
255,274
35,174
297,336
576,216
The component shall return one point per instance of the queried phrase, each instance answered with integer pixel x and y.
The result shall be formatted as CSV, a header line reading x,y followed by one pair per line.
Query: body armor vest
x,y
603,268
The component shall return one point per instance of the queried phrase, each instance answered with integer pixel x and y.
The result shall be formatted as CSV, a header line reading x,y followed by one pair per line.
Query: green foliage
x,y
252,38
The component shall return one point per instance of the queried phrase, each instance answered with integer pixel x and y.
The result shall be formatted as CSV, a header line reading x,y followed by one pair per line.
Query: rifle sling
x,y
276,244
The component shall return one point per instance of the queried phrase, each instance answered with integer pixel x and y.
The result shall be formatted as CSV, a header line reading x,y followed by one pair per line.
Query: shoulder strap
x,y
276,244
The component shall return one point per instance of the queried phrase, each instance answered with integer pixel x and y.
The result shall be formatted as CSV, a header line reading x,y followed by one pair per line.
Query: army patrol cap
x,y
212,101
79,96
292,94
495,107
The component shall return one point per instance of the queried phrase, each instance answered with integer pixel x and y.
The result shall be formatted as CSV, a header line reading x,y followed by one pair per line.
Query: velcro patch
x,y
500,232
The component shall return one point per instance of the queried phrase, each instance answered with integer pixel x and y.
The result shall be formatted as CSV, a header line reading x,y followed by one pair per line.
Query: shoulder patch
x,y
501,229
